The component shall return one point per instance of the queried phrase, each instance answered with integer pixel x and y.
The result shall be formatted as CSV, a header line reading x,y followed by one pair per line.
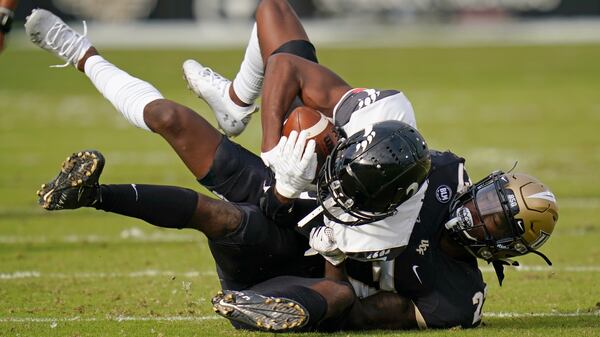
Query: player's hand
x,y
294,162
323,242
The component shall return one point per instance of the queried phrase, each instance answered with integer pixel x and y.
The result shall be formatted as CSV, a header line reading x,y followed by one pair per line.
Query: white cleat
x,y
214,90
49,32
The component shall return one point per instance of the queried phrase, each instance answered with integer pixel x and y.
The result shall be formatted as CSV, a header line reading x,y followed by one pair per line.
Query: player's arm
x,y
384,310
7,8
288,76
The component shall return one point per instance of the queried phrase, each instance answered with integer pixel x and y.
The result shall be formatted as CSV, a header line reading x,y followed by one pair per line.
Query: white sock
x,y
248,81
128,94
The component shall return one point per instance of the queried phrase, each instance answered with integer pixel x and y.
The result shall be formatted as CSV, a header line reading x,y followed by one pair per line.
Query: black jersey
x,y
447,292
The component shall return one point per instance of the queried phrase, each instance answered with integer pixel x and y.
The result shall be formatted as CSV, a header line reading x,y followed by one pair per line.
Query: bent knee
x,y
281,63
165,116
271,7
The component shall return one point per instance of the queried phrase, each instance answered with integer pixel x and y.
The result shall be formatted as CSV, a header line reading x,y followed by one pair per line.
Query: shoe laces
x,y
67,47
215,79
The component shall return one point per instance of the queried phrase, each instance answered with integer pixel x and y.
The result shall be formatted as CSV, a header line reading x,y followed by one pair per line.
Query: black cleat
x,y
261,312
76,185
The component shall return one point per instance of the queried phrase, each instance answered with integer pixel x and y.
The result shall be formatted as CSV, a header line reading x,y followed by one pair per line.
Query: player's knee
x,y
165,116
279,63
270,8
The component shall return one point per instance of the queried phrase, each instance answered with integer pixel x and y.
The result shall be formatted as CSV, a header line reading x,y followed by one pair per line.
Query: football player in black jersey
x,y
435,281
269,284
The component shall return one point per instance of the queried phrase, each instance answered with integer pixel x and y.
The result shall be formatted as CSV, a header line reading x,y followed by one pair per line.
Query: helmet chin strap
x,y
540,254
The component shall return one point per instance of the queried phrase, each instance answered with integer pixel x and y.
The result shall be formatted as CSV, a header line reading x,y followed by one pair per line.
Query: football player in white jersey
x,y
281,63
213,159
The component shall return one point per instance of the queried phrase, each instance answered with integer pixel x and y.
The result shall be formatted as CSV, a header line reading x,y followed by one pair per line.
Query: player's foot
x,y
49,32
261,312
214,89
76,185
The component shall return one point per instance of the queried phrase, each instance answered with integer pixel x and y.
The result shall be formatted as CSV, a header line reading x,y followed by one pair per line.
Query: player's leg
x,y
77,185
192,137
287,303
277,29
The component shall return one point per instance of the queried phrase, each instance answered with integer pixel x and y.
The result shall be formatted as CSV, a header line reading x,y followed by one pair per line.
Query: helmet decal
x,y
369,135
512,201
546,195
443,194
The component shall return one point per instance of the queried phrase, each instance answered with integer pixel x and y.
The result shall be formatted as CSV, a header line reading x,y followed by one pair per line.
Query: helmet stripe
x,y
546,195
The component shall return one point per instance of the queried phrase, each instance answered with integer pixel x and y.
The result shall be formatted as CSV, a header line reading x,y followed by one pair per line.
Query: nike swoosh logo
x,y
417,274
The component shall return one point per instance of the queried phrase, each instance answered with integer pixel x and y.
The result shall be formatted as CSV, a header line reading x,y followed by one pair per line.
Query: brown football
x,y
319,128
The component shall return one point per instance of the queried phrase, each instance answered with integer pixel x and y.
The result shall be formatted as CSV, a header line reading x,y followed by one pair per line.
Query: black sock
x,y
163,206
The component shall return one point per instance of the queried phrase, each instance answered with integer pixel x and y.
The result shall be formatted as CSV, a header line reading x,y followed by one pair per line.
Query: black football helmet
x,y
369,174
502,216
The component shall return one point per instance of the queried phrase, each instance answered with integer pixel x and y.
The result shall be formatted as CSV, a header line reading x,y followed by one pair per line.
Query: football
x,y
318,127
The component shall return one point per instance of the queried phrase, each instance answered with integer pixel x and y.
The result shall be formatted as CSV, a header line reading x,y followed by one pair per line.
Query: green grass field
x,y
89,273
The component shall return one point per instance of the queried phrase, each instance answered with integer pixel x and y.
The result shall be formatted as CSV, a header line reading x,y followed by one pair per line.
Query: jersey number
x,y
478,300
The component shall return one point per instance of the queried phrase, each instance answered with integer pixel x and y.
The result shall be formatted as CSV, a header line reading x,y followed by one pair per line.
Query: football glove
x,y
323,242
294,162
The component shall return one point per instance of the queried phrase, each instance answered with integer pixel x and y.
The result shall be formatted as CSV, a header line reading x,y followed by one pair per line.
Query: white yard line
x,y
103,319
543,269
55,321
75,239
538,314
27,274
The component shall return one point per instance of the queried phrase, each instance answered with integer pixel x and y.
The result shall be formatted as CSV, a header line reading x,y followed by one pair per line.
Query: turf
x,y
88,273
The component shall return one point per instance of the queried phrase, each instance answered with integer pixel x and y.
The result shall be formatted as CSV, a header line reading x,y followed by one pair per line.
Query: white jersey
x,y
357,109
361,107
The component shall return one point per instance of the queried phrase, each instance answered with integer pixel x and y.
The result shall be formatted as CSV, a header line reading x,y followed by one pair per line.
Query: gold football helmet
x,y
504,215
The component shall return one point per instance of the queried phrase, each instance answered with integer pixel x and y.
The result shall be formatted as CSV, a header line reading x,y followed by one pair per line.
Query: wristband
x,y
6,19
